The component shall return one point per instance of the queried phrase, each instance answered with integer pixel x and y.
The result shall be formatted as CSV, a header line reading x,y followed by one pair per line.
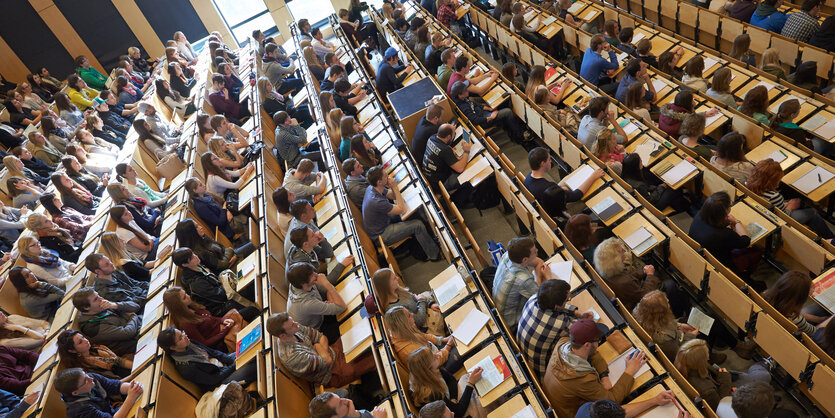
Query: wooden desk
x,y
492,351
594,186
716,124
442,278
610,192
818,194
454,318
674,159
576,279
807,105
665,146
344,327
632,224
146,378
481,175
584,302
146,349
247,270
765,149
516,404
746,214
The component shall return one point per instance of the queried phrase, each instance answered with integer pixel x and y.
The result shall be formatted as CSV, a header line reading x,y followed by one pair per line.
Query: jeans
x,y
810,218
507,121
290,84
400,230
247,373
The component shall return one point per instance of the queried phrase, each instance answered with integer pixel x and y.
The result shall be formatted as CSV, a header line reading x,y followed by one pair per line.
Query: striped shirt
x,y
776,199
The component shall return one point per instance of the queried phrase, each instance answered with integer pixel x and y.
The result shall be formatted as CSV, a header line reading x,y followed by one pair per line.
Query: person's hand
x,y
649,269
543,271
664,397
319,236
466,146
723,370
566,82
793,204
24,210
110,305
421,296
134,390
31,398
620,148
689,329
679,51
156,221
435,307
449,341
732,219
587,315
379,412
610,116
475,376
228,322
294,122
493,115
347,261
105,178
606,46
228,214
634,362
684,414
322,280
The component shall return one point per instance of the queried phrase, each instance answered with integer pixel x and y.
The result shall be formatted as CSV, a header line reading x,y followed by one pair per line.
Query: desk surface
x,y
746,214
765,149
632,224
610,192
454,318
492,350
674,159
818,194
412,98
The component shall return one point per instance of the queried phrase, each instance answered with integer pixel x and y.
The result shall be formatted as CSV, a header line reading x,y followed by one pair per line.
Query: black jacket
x,y
206,289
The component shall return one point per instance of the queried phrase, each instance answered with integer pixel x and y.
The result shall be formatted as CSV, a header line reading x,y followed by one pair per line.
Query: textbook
x,y
494,372
698,319
355,336
823,290
755,230
606,209
248,341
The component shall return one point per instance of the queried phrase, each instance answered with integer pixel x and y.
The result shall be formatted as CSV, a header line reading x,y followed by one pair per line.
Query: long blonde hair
x,y
424,379
262,84
771,56
216,146
114,248
603,145
10,161
693,357
653,312
333,119
311,57
381,280
401,328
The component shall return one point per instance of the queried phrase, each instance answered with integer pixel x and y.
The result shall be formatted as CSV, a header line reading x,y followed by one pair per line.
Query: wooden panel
x,y
11,66
140,27
787,351
65,33
211,18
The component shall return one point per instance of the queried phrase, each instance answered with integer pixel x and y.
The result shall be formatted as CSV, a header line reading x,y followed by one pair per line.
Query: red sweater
x,y
16,369
207,331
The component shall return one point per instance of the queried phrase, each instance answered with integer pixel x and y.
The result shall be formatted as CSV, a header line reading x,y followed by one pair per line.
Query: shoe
x,y
717,358
745,349
527,136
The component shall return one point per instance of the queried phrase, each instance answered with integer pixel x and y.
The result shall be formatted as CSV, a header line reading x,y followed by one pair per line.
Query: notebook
x,y
637,238
606,209
618,366
449,290
678,172
810,181
777,156
494,372
579,177
355,336
470,326
755,230
248,341
562,270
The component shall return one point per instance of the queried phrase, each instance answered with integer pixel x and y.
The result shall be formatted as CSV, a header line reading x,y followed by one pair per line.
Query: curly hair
x,y
765,176
653,312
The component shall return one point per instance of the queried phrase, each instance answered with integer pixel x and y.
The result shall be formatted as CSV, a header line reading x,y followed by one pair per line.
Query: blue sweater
x,y
213,214
594,65
773,22
97,403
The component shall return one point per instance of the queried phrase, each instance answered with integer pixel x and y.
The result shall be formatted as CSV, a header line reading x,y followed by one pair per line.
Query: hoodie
x,y
671,117
769,18
570,381
96,403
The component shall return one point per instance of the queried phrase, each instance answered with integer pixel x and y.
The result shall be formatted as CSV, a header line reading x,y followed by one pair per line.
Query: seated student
x,y
405,338
57,134
625,41
43,149
825,37
355,181
349,126
432,56
692,77
755,104
11,224
545,320
344,99
364,151
462,68
115,285
126,111
783,122
607,408
517,279
272,103
715,229
613,261
742,9
429,383
18,331
204,366
89,74
636,73
275,71
212,210
720,89
654,315
552,196
427,126
200,325
221,101
730,157
577,373
90,394
234,134
335,72
536,83
80,95
180,105
115,325
802,25
218,179
74,196
313,299
387,79
44,263
597,119
233,83
13,406
306,354
38,298
445,69
179,82
789,295
569,17
204,286
634,100
742,50
673,114
805,76
487,117
390,293
440,165
136,268
16,168
607,150
303,214
126,174
36,165
99,131
765,181
659,195
138,243
771,64
291,141
331,405
159,126
305,184
381,218
691,130
595,65
128,93
23,192
215,256
752,400
302,250
110,119
93,183
282,199
159,146
53,237
75,350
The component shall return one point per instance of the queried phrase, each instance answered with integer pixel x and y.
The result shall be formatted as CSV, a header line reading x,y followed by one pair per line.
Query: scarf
x,y
47,259
83,196
765,10
137,203
101,358
128,88
193,354
580,365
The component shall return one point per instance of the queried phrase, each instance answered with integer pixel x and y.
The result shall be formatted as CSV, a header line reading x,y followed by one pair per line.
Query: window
x,y
314,11
244,16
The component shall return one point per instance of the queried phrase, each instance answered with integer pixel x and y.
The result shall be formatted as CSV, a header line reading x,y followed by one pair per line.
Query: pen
x,y
819,179
784,154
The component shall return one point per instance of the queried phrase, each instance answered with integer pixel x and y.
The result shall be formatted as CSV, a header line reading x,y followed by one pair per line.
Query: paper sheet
x,y
576,7
355,336
698,319
678,172
486,82
475,147
645,151
814,122
637,37
622,56
629,128
449,290
658,84
618,366
470,326
755,230
579,177
709,62
526,412
810,181
644,246
351,290
491,376
668,410
710,119
827,130
591,15
549,20
562,270
473,170
636,238
777,156
48,354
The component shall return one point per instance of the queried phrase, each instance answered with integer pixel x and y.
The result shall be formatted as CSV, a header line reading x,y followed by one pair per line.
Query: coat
x,y
671,117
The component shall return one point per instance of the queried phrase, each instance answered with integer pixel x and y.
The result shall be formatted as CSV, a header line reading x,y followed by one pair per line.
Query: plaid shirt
x,y
512,286
539,331
800,26
74,222
446,15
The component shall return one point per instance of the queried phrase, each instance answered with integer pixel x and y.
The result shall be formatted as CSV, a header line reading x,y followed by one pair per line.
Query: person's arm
x,y
634,409
620,134
399,207
138,244
132,391
333,297
584,188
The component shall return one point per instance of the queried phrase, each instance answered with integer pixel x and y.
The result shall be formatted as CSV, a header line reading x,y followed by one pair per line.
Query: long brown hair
x,y
755,101
346,127
537,78
399,326
765,176
180,313
116,213
653,312
210,168
380,280
788,109
693,357
790,293
742,44
425,381
722,80
578,231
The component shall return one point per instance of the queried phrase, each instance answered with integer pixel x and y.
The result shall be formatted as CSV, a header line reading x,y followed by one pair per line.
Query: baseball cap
x,y
584,331
98,101
390,52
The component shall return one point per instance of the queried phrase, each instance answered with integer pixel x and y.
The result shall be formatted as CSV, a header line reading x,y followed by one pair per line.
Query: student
x,y
111,119
23,192
115,325
742,50
432,55
348,127
93,183
656,193
597,119
355,181
234,134
743,9
149,219
445,70
517,278
765,181
65,217
179,82
57,136
428,383
595,65
390,294
667,63
303,215
331,405
782,122
136,268
138,243
219,180
53,237
607,408
568,16
89,74
377,213
825,37
577,373
303,242
114,285
654,315
607,150
184,47
634,101
693,72
771,64
552,196
720,89
181,105
306,354
625,41
18,331
79,93
282,199
161,127
387,79
304,183
89,394
583,235
613,261
212,210
16,366
545,319
38,298
537,79
405,338
644,50
44,263
805,76
440,165
719,232
221,101
36,165
307,303
755,104
218,333
691,130
204,286
205,367
789,295
291,141
426,127
43,149
364,151
753,400
636,73
272,103
126,174
730,157
97,129
75,350
462,67
673,114
487,117
802,25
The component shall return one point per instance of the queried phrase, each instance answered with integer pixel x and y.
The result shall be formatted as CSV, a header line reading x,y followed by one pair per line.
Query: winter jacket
x,y
114,328
671,117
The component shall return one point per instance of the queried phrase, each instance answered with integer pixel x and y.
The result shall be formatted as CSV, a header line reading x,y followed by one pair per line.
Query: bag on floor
x,y
170,166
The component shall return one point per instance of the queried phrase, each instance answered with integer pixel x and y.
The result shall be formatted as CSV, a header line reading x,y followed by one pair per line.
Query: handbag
x,y
232,201
170,166
231,337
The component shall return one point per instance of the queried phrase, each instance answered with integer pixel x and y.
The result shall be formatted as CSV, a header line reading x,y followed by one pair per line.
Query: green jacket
x,y
92,77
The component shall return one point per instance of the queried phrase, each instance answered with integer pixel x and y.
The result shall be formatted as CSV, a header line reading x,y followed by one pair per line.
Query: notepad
x,y
579,177
823,291
709,62
668,410
698,319
470,326
629,128
355,336
47,354
810,181
814,122
591,15
351,289
645,151
645,246
618,366
562,270
827,130
475,148
449,290
755,230
494,371
576,7
549,20
678,172
471,171
530,14
637,238
710,119
526,412
777,156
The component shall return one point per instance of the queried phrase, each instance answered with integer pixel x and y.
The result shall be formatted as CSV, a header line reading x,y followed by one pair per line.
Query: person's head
x,y
302,210
635,97
14,165
753,400
434,113
173,340
81,61
518,21
118,192
722,80
606,408
684,100
401,325
316,33
376,177
585,337
416,23
788,110
755,101
401,24
604,144
73,382
180,306
303,237
448,57
521,250
185,257
598,42
692,358
806,73
282,199
16,185
25,281
113,247
665,62
693,125
715,210
302,275
539,158
459,90
36,222
644,47
742,43
598,106
342,87
611,257
653,312
347,126
625,35
62,102
336,72
29,246
330,405
541,95
611,28
386,285
99,265
462,63
552,294
88,301
771,57
436,39
731,147
37,138
634,66
424,374
695,66
790,293
811,7
437,409
352,167
445,132
578,230
765,176
282,118
509,71
71,345
281,325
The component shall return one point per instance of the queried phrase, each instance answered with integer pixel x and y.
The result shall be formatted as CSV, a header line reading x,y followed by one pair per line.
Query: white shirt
x,y
125,235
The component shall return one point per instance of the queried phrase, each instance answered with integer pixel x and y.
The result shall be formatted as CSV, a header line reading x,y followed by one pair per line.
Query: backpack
x,y
486,194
